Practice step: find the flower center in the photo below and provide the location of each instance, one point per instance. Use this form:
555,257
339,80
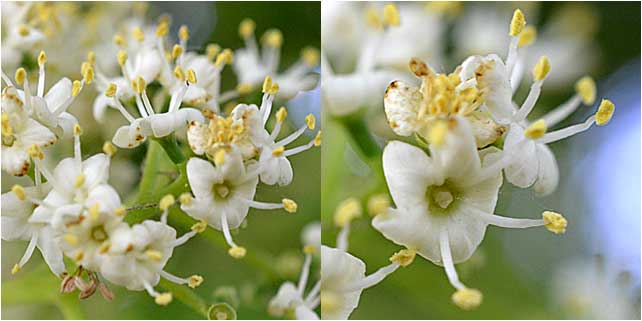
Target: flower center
98,233
8,140
440,198
222,190
329,301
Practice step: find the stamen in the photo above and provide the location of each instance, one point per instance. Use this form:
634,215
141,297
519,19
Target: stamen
179,74
305,271
585,87
91,58
191,76
390,15
310,56
154,255
75,88
246,28
88,75
177,50
212,51
527,37
315,142
536,130
94,212
541,69
19,191
278,151
42,59
311,121
120,211
374,278
378,204
163,298
27,255
183,33
138,34
342,237
237,252
119,40
554,222
109,149
404,257
447,260
289,205
467,299
604,112
21,75
317,139
166,202
566,132
281,114
186,199
162,29
347,211
273,38
517,23
227,235
122,58
195,281
123,111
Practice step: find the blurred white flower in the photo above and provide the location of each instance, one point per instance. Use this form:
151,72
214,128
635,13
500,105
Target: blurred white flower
290,297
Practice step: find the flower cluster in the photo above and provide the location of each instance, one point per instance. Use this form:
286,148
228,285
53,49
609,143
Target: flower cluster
471,133
72,210
445,200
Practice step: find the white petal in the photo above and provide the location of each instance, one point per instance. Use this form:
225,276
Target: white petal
147,64
100,107
15,160
96,169
339,270
304,313
401,102
548,173
408,171
201,176
275,169
106,196
58,93
50,251
35,134
65,174
42,112
524,164
66,122
457,158
165,124
197,136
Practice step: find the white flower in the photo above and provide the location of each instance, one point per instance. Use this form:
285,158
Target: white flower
138,255
223,194
290,297
590,288
18,36
17,208
311,235
252,64
533,163
19,133
445,202
343,275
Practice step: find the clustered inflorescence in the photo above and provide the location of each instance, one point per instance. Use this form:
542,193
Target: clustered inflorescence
472,133
71,210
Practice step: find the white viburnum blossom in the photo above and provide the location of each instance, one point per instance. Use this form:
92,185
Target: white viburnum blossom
137,257
20,134
533,163
17,208
343,276
252,64
18,36
224,192
290,297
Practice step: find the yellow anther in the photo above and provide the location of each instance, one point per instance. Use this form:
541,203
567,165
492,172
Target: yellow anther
309,249
162,28
274,89
517,23
79,256
219,157
244,89
604,112
77,129
16,268
163,298
167,201
76,86
404,257
378,204
111,90
289,205
80,180
191,76
372,18
310,56
554,222
527,36
200,226
278,151
419,67
183,33
246,28
179,74
585,87
536,130
390,15
138,34
105,247
23,30
94,212
311,121
119,40
21,74
267,83
177,50
122,57
467,299
237,252
212,51
542,68
317,139
273,38
281,114
88,75
19,191
71,239
35,152
347,210
120,211
186,199
154,255
91,57
42,58
195,281
225,57
437,133
109,149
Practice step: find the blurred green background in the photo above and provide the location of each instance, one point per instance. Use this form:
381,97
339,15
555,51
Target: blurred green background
598,192
272,238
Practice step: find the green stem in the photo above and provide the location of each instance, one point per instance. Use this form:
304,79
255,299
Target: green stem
170,145
358,130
